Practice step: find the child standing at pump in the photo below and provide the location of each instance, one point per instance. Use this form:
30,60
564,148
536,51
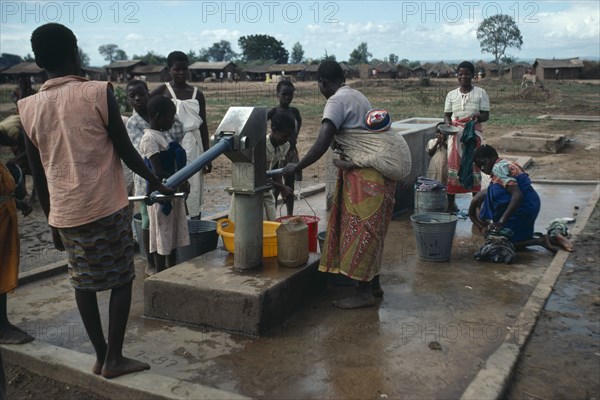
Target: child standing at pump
277,146
191,111
137,97
438,151
168,224
285,95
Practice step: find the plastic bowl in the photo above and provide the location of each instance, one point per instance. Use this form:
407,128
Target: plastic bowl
448,130
226,228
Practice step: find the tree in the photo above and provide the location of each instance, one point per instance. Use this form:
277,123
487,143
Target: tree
297,54
360,55
202,55
221,51
263,47
108,51
151,58
83,57
327,57
120,55
393,59
497,33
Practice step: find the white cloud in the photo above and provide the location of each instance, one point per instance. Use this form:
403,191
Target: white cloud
134,37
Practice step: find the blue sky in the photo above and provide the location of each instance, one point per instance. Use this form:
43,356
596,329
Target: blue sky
416,30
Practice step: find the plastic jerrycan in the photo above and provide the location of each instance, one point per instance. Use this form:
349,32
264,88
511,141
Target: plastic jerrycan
292,243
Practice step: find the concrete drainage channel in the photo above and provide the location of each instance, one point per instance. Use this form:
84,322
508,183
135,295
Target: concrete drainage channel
493,379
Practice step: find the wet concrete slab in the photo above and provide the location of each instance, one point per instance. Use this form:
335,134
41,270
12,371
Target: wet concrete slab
532,141
429,337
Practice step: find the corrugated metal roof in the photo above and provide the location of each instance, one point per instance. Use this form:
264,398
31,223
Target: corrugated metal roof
23,68
124,64
148,69
286,67
257,69
93,69
217,66
561,63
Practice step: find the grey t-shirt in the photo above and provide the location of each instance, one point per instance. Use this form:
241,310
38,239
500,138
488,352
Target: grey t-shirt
346,109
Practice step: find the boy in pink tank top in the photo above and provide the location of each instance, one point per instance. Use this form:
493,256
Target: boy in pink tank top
75,141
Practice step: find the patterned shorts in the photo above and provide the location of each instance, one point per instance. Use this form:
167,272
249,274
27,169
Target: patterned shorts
100,252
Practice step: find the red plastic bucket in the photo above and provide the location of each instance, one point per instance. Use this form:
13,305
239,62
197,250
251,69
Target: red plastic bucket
313,225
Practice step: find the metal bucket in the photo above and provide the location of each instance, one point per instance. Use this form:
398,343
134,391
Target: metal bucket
434,233
203,238
137,224
430,201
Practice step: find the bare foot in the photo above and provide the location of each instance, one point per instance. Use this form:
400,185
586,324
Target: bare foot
10,334
563,242
545,243
125,366
376,288
452,208
100,356
97,368
357,301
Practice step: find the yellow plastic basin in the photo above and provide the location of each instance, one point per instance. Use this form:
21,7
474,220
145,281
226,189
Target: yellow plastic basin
226,228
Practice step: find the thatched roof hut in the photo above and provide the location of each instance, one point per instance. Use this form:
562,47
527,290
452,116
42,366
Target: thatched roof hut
569,68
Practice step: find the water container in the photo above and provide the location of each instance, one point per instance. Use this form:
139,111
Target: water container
292,243
430,201
434,234
203,238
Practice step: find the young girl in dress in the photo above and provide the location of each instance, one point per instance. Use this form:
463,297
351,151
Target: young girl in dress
438,151
285,95
191,110
168,224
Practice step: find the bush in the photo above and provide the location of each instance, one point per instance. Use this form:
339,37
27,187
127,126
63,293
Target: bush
425,81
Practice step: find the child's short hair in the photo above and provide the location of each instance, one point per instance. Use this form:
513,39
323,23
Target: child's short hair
160,104
283,122
282,84
467,65
175,56
331,71
53,45
136,82
485,151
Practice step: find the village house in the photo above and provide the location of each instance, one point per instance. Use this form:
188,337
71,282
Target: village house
386,70
120,71
570,68
200,70
29,69
516,71
151,73
256,72
94,74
